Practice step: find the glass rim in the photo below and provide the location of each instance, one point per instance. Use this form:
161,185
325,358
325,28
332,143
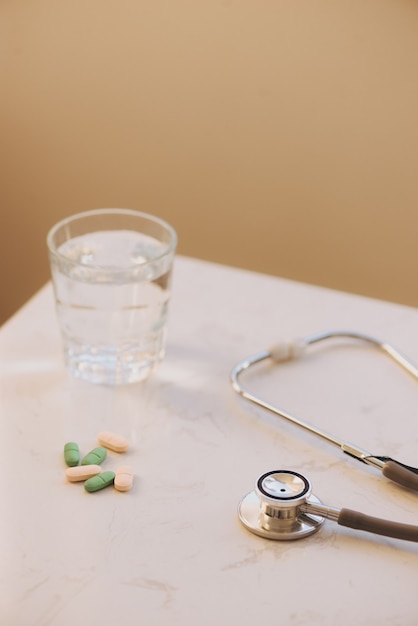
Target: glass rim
171,245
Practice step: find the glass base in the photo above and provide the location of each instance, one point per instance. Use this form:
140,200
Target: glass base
104,365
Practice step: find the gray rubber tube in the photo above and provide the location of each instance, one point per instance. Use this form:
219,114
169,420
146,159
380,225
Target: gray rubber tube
359,521
401,475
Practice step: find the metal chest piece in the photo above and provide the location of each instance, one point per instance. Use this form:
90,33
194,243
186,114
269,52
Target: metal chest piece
274,509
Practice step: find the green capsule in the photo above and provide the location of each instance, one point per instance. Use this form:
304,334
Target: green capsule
94,457
71,454
100,481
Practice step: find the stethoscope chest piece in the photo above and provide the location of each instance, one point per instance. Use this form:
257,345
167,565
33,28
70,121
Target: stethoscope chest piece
281,507
276,509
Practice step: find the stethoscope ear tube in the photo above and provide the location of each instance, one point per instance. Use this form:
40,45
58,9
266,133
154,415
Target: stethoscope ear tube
397,472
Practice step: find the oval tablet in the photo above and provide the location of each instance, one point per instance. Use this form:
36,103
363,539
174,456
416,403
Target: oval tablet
71,454
114,442
94,457
82,472
124,478
95,483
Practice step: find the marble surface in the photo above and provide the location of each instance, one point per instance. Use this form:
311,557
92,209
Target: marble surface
172,550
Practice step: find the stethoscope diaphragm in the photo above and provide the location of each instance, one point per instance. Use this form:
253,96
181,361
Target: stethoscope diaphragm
272,510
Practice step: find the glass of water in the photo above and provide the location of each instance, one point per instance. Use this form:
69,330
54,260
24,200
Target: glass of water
111,272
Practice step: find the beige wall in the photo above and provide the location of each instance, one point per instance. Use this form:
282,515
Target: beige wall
275,135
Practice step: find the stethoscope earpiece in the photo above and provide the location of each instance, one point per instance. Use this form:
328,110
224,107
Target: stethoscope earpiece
282,508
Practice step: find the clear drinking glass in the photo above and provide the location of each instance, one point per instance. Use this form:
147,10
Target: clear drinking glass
111,272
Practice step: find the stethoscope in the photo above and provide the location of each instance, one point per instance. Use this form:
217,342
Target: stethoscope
281,506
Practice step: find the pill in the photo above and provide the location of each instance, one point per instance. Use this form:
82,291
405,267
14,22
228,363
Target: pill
124,478
100,481
94,457
82,472
71,454
114,442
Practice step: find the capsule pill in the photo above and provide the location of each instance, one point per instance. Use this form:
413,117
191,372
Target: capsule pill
82,472
124,478
71,454
114,442
95,457
100,481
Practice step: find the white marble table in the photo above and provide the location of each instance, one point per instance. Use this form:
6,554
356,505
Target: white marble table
172,550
